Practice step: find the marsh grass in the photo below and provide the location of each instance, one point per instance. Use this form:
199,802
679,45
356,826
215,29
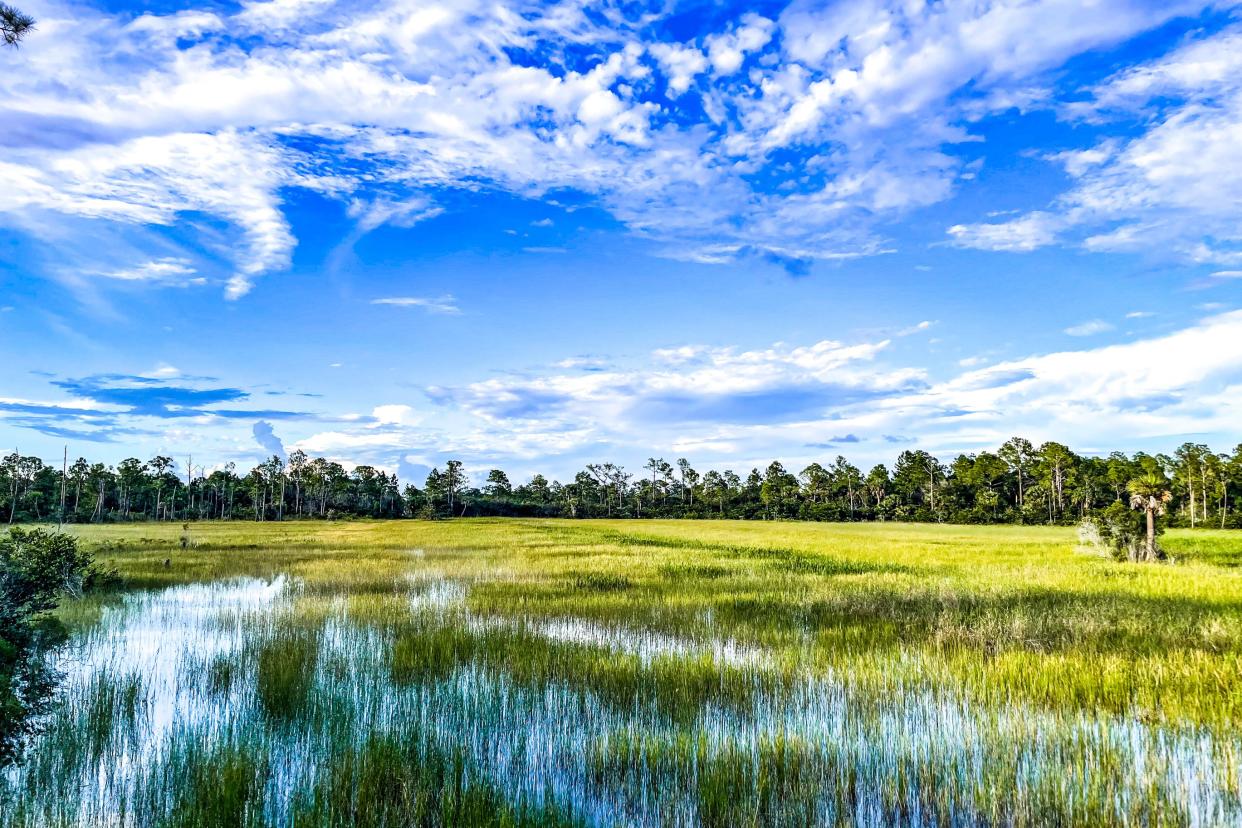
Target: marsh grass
286,661
390,781
601,582
541,672
220,785
112,709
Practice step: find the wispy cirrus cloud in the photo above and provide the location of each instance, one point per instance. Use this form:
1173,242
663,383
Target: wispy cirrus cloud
1089,328
169,270
1172,189
105,407
442,304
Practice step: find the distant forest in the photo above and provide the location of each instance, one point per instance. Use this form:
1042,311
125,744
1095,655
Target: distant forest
1018,483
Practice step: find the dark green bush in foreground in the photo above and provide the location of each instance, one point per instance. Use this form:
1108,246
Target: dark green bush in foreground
36,568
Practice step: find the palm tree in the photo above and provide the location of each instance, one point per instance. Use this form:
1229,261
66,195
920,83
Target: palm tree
1151,494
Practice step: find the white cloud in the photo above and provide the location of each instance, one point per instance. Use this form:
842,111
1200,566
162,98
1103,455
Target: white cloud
1201,68
681,64
1173,190
1020,235
1089,328
142,122
916,328
726,52
168,270
443,304
734,407
586,363
163,371
1147,388
373,214
395,414
151,181
693,393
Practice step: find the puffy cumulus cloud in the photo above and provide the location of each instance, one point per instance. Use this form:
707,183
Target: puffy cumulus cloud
738,408
681,65
889,60
1173,189
808,131
693,385
1163,387
719,406
1028,233
265,436
727,51
395,414
690,396
886,87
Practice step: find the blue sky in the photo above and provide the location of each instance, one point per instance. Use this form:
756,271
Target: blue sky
537,235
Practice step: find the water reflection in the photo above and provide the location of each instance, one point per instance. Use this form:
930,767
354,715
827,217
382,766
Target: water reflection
166,671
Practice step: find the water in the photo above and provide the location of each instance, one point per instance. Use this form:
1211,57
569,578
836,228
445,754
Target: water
165,675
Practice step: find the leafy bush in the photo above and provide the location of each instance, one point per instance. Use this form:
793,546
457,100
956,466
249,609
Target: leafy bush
36,568
1118,529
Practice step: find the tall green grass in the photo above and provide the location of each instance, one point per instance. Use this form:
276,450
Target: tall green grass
542,672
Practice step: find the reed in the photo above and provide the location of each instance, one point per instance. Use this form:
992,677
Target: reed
555,672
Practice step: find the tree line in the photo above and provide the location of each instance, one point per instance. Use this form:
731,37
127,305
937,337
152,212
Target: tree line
1017,483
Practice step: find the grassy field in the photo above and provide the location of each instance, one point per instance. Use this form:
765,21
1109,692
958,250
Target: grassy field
714,673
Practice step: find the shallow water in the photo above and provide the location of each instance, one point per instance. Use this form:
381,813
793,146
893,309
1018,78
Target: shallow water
165,671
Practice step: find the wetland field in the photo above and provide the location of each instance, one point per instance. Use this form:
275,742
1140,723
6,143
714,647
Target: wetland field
715,673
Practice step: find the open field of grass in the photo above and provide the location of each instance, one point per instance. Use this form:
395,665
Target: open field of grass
596,672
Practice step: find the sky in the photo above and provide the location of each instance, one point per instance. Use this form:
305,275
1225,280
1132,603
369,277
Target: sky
536,235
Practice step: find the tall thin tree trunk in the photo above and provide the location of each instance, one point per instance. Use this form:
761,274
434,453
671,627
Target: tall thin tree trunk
64,478
1151,534
1203,486
1190,483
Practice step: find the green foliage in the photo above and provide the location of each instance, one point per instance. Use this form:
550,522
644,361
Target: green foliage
36,568
1119,529
14,25
1018,483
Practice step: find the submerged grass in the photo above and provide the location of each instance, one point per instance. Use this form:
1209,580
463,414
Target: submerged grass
390,782
285,671
523,672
